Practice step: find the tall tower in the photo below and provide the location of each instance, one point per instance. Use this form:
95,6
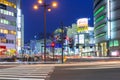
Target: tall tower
107,29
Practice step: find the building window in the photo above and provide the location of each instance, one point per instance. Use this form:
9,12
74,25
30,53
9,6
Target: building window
4,21
5,31
5,12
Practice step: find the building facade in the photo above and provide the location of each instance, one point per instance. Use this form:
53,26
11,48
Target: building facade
11,27
83,42
82,36
107,27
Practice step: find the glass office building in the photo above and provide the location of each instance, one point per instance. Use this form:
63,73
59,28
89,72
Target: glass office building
107,27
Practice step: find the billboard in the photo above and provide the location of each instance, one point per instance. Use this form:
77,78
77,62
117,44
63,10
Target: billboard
82,24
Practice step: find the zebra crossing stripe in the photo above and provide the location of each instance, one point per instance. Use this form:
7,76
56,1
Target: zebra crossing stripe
3,78
37,74
30,79
17,76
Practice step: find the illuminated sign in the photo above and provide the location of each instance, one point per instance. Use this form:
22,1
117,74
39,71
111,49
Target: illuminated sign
82,24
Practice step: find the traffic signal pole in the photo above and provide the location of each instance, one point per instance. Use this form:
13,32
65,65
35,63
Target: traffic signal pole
53,47
53,53
62,43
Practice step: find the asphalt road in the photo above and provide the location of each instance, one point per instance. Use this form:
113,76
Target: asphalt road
86,72
6,66
76,71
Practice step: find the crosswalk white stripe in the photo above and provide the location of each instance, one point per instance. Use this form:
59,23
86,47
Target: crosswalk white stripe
34,76
2,78
23,74
30,79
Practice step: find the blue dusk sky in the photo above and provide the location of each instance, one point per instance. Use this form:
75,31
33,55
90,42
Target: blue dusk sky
68,11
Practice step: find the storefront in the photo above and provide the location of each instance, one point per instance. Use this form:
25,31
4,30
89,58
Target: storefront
101,49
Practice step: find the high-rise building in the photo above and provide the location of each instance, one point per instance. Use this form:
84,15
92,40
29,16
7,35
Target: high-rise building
11,27
107,27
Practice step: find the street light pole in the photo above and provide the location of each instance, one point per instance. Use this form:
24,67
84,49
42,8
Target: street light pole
45,7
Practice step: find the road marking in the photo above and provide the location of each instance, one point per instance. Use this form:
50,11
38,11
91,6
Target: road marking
2,78
23,76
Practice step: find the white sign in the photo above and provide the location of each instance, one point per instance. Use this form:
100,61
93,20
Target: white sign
83,22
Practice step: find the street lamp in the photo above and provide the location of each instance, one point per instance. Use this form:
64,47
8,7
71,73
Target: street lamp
42,3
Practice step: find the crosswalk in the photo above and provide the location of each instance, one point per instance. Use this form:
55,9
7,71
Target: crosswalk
26,72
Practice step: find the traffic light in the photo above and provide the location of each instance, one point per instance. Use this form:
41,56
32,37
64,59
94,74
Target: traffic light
77,45
52,44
